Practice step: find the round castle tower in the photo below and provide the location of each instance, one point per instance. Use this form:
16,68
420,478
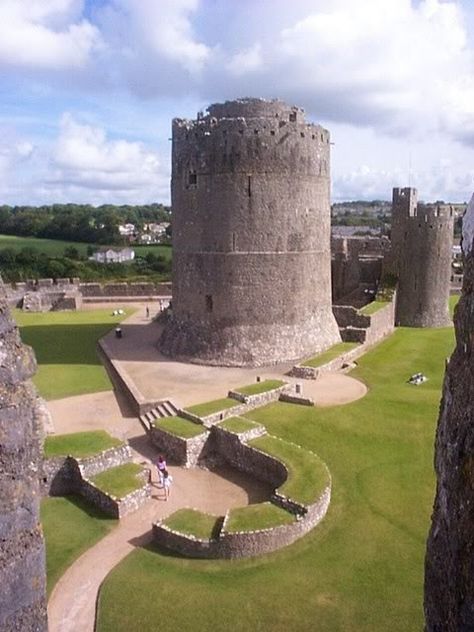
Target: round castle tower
422,239
251,236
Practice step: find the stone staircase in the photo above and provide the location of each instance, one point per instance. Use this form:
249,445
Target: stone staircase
163,409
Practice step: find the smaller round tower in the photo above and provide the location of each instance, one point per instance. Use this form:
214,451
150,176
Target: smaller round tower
422,239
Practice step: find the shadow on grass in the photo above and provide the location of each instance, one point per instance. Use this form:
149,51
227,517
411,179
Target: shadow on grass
87,508
65,344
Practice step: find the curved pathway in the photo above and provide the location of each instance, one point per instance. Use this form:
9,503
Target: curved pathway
72,604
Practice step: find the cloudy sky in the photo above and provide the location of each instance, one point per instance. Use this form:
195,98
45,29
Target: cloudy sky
88,89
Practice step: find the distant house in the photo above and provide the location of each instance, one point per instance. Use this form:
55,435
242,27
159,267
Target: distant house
157,228
126,230
113,255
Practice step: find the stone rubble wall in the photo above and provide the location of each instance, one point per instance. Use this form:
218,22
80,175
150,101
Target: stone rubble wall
245,543
114,507
297,399
22,554
382,324
185,452
260,399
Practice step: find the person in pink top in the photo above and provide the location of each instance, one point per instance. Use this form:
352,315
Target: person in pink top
161,467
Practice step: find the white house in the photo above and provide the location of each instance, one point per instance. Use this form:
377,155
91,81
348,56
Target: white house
126,230
113,255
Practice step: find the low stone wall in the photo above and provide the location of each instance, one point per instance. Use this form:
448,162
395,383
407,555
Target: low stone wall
349,316
245,543
382,323
296,399
185,452
59,476
210,420
260,399
62,475
117,290
114,507
122,380
112,457
248,459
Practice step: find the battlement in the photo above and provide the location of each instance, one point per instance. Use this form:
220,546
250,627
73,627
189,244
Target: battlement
430,212
250,108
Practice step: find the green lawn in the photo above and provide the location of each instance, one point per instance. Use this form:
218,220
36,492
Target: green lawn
372,307
193,522
70,527
261,516
238,424
119,481
307,475
55,247
259,387
330,354
180,427
65,347
80,444
361,569
208,408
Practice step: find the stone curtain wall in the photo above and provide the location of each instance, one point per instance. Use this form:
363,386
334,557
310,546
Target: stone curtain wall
245,543
449,564
22,557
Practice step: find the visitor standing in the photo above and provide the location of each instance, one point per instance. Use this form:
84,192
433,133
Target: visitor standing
147,309
167,482
161,467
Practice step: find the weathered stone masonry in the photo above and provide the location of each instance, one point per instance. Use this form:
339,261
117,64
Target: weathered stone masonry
22,560
251,236
449,567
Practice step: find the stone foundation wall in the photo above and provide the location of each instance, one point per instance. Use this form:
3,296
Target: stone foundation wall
185,452
113,507
260,399
135,290
245,543
62,475
296,399
248,459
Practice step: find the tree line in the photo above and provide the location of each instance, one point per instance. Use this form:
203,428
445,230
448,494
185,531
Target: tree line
78,222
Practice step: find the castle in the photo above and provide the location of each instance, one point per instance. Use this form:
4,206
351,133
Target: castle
251,236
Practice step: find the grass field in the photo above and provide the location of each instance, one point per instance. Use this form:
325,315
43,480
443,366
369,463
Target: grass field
238,424
65,348
192,522
70,527
79,444
55,247
330,354
180,427
119,481
372,307
259,387
261,516
208,408
362,567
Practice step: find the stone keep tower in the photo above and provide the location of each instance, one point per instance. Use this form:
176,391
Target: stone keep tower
422,239
22,562
251,236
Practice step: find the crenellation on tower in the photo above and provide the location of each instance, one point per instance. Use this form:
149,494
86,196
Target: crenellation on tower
420,259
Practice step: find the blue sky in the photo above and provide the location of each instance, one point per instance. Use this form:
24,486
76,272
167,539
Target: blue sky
88,89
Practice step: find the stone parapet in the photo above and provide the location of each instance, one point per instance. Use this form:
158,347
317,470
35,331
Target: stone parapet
185,452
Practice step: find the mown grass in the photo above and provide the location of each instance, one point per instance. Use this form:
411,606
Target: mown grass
192,522
362,567
180,427
307,475
55,247
70,527
238,424
372,307
259,387
65,345
79,444
330,354
254,517
208,408
119,481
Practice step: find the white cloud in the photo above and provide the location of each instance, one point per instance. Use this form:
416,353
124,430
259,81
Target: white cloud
45,34
86,163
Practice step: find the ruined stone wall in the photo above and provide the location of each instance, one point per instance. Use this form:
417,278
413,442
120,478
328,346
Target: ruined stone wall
449,566
22,559
251,236
245,543
180,451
